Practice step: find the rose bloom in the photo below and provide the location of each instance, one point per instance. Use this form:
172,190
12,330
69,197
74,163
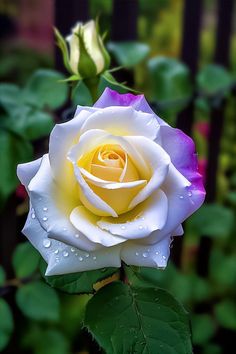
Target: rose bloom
115,186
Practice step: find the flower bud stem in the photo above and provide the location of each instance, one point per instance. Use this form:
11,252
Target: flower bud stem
92,85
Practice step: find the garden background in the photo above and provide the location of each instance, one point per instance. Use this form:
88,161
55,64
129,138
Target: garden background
182,56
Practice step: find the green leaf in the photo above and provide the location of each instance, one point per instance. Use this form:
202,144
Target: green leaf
54,341
170,81
212,220
222,269
2,276
6,324
14,150
129,320
31,123
77,283
44,89
225,313
38,301
214,80
203,328
81,95
128,53
25,260
10,96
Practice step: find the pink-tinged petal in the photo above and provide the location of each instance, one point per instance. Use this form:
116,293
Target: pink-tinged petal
141,255
112,98
181,149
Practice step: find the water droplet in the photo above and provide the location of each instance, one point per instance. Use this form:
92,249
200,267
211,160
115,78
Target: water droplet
145,254
190,194
123,227
164,257
76,254
94,258
181,197
33,215
65,254
72,249
80,259
157,252
136,253
46,243
56,252
76,235
142,218
45,209
45,218
57,260
87,255
64,228
140,227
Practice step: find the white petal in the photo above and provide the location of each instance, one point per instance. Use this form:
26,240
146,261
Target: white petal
63,259
26,171
147,256
86,222
62,138
123,121
110,184
90,36
179,231
43,194
179,204
140,222
158,161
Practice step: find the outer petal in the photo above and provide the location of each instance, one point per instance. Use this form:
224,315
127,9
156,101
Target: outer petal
157,159
147,217
123,121
113,98
43,195
181,149
155,255
86,222
181,204
62,258
26,171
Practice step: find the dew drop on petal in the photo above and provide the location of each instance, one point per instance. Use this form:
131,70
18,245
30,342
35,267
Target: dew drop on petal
57,260
33,215
64,228
136,253
157,253
76,235
190,194
181,197
72,249
65,254
46,243
45,218
123,227
45,209
87,255
145,254
164,257
140,227
80,258
94,258
56,252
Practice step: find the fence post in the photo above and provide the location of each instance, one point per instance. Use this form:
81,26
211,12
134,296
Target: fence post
189,55
124,28
222,54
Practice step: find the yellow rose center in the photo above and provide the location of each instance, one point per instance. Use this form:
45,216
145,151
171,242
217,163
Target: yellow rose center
111,163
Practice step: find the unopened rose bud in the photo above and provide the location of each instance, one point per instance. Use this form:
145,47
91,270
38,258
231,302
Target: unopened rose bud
87,56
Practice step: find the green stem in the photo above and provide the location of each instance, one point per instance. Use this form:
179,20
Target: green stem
92,85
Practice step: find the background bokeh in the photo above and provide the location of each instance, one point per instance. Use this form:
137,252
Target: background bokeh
184,61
